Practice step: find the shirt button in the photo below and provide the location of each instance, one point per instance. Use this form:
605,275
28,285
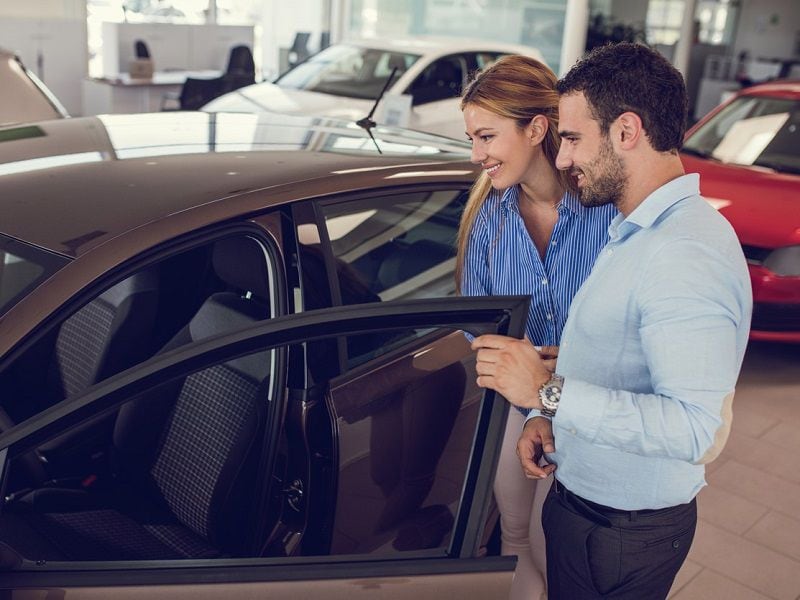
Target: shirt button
573,432
610,251
544,281
554,242
549,317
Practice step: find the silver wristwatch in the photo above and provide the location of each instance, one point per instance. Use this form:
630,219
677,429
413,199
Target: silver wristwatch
550,395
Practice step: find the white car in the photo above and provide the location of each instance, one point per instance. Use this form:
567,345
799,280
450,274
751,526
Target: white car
344,81
25,97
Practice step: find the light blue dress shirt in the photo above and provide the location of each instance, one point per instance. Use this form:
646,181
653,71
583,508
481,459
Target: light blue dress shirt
651,352
501,258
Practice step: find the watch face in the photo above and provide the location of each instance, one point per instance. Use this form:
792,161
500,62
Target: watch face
550,395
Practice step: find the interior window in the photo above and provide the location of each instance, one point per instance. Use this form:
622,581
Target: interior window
152,311
394,248
442,79
405,436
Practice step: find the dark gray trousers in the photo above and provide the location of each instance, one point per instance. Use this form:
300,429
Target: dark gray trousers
594,551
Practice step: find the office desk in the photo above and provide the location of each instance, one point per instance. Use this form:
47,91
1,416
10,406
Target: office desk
123,94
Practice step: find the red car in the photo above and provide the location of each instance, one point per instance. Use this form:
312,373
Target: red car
747,152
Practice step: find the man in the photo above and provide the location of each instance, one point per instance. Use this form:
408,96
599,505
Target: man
641,397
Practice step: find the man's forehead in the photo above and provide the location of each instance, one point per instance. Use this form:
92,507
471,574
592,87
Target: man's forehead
573,105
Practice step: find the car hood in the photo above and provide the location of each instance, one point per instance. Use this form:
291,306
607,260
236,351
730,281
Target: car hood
271,97
762,205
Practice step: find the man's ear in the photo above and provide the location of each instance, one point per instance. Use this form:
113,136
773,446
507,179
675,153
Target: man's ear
537,129
627,130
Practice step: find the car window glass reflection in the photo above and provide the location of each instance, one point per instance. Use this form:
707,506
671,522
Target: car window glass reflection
394,248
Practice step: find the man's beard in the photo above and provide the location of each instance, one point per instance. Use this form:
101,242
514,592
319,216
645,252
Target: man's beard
608,179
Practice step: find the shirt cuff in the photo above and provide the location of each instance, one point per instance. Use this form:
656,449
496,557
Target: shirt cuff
582,407
535,412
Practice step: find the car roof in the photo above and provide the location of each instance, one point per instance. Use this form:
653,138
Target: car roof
783,87
439,46
71,185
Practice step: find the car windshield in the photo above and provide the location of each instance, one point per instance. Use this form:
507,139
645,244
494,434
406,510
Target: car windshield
22,268
752,130
345,70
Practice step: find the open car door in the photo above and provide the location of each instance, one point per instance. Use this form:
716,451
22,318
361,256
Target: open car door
220,479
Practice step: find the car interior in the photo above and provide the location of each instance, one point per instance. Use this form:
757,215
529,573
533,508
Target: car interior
167,475
181,460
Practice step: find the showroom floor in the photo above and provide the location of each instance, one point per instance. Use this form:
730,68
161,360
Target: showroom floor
747,544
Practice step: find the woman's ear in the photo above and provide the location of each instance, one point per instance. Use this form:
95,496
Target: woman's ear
537,129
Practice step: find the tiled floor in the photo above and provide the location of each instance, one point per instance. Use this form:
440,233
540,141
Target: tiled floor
747,544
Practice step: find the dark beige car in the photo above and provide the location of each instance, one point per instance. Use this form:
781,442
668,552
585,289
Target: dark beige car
232,363
24,97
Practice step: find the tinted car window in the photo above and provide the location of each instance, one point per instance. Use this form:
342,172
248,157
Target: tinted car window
392,248
752,130
405,434
351,71
442,79
22,268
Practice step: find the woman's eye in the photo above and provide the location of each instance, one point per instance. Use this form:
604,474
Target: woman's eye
486,138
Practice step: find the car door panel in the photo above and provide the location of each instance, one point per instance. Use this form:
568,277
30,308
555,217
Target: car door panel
473,579
82,580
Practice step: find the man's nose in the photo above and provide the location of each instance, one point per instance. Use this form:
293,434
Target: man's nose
563,159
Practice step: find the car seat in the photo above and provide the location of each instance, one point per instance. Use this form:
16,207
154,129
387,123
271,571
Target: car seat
185,453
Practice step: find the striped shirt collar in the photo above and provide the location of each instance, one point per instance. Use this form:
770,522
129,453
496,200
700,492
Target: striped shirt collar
510,198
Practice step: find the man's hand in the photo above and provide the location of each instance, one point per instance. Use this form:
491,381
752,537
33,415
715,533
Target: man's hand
536,438
549,355
512,368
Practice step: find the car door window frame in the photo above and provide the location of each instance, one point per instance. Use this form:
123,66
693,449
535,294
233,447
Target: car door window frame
505,315
147,259
314,208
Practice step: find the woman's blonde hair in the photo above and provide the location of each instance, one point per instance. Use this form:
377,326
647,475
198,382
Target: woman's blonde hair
516,87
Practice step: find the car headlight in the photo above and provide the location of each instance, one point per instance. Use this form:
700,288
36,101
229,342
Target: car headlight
784,261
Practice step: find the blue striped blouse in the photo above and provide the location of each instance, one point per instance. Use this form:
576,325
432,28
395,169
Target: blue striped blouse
501,258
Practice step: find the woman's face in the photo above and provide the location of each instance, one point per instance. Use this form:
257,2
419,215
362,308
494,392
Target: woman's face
504,150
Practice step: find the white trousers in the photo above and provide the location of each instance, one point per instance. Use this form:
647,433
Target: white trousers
520,502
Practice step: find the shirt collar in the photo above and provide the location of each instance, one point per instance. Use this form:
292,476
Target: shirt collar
655,205
569,201
664,197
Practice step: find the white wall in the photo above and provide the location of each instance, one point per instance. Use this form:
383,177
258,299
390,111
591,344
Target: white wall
760,35
44,9
50,38
279,23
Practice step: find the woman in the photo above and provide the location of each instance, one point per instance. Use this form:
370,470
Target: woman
523,231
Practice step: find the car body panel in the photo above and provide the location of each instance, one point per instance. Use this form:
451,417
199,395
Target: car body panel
141,202
476,579
25,98
151,199
500,315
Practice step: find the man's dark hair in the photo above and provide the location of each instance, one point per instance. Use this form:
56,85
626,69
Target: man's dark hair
626,77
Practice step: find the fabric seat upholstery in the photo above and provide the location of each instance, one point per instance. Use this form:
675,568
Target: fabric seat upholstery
186,453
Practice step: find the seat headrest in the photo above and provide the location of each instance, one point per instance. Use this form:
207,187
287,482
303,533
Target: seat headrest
241,262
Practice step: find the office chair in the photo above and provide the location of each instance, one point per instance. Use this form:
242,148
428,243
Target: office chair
241,71
140,49
299,50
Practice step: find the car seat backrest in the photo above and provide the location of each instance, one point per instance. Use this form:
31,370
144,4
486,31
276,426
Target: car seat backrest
106,336
196,441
